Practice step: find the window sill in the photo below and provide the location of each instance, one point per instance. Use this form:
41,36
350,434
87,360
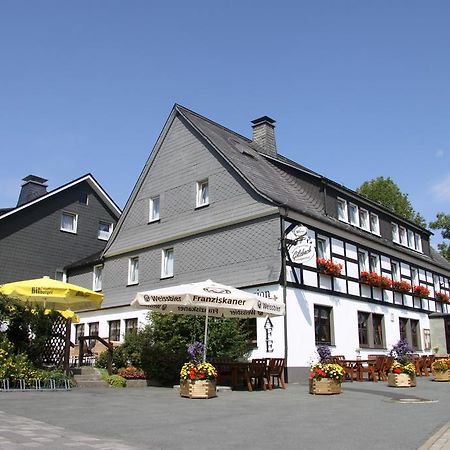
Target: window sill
103,238
202,206
133,284
154,220
164,277
68,231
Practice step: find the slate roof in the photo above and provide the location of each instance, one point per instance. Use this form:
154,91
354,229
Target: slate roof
279,180
91,260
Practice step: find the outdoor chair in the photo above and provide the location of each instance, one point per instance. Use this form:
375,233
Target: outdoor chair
275,369
224,370
379,368
256,373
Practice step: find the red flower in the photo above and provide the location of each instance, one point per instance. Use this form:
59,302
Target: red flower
397,370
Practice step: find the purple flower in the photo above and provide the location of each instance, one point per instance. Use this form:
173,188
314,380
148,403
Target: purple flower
324,353
195,352
402,352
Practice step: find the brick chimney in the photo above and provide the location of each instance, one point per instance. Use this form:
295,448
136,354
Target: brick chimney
32,188
264,135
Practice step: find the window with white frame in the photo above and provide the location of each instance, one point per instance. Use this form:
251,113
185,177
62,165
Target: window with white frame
395,271
374,224
363,259
167,263
342,210
418,242
414,276
353,214
97,278
403,236
133,270
364,219
395,233
202,193
114,330
69,222
374,263
60,275
322,247
153,214
411,243
104,230
436,283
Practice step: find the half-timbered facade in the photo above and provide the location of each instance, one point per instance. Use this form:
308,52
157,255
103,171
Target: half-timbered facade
211,203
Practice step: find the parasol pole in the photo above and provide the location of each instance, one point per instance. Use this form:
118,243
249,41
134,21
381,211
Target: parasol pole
205,340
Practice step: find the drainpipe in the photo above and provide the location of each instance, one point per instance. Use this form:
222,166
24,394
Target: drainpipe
283,272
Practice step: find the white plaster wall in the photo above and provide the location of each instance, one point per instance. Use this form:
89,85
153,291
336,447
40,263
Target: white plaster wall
300,320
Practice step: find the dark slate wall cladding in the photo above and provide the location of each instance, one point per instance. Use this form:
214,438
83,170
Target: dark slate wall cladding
182,161
32,244
243,255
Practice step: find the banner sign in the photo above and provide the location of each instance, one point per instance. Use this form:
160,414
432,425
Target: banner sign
299,245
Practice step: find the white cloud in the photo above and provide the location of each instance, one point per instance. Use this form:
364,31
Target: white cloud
439,153
441,188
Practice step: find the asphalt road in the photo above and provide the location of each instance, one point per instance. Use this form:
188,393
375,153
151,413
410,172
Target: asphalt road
365,416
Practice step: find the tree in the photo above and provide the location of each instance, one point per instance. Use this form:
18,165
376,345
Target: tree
442,222
387,193
164,341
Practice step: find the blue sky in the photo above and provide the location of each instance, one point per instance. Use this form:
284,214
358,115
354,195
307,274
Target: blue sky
359,89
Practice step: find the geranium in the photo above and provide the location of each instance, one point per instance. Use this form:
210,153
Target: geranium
333,371
202,371
373,279
328,267
407,368
401,286
195,370
442,296
421,291
441,365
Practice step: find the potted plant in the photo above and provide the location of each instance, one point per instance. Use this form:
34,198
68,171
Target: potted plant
328,267
442,296
441,370
421,291
375,280
401,286
325,377
197,379
402,372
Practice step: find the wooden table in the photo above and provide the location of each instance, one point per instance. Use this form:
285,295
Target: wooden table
359,367
234,369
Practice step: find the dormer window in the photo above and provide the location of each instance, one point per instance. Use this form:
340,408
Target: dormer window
374,224
202,193
353,214
406,237
395,233
403,237
418,242
364,219
342,210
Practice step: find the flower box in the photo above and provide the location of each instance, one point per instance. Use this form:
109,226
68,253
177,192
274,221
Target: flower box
401,286
198,388
401,380
375,280
328,267
421,291
441,376
324,386
442,296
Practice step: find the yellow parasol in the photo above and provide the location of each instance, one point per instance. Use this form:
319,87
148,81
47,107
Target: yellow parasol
53,294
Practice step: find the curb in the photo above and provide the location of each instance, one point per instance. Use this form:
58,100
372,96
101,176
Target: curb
439,441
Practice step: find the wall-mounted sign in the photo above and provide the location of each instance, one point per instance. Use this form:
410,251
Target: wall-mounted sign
269,341
299,245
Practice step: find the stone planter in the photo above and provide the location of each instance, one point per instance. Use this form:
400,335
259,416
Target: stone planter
137,383
401,380
325,386
198,389
441,376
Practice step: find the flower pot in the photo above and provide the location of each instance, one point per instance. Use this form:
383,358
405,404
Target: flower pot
325,386
441,376
401,380
198,389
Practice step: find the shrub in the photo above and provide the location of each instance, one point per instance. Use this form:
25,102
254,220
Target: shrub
116,381
119,359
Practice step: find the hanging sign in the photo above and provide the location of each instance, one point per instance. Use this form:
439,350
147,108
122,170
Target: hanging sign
299,245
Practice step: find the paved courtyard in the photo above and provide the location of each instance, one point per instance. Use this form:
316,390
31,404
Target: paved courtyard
366,415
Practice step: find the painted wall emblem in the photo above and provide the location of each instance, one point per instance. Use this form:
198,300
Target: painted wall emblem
299,245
